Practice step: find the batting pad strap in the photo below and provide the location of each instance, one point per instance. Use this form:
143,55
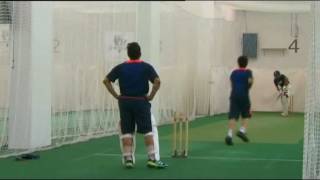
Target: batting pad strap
150,149
149,134
126,136
126,154
151,152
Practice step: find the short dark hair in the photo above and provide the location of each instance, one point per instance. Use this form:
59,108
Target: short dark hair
133,50
276,73
242,61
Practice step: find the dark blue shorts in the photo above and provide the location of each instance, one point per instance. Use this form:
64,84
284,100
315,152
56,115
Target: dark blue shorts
135,112
239,106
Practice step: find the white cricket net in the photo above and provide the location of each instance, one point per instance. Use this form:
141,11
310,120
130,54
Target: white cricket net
4,83
89,39
311,155
5,71
196,56
184,62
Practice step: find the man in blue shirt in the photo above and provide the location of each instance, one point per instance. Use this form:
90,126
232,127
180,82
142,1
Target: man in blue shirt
134,106
241,82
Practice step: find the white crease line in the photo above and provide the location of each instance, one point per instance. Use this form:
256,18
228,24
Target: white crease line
84,157
210,158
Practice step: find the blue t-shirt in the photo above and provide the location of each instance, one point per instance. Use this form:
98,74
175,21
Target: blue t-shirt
240,84
134,77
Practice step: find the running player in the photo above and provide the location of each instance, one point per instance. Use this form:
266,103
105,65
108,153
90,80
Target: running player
241,82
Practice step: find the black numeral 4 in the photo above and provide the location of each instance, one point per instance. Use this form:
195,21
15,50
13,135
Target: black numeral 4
295,44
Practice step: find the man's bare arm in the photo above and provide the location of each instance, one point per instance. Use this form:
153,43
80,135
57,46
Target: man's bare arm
155,88
110,88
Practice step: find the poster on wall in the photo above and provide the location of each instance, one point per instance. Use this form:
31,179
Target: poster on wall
116,45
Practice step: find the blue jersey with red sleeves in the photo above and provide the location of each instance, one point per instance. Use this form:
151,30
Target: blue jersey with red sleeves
240,83
134,77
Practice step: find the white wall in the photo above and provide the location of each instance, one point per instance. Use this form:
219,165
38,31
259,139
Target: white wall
277,27
274,31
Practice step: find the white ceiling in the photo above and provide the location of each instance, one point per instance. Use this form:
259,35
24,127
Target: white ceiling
96,6
203,8
269,6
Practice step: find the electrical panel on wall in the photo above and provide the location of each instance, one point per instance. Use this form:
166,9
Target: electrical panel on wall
249,44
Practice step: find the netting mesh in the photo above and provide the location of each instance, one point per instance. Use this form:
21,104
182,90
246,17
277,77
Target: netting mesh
4,82
5,70
178,67
89,39
194,66
311,156
81,107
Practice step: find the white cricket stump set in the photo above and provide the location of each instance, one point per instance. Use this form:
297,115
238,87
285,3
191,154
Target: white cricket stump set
291,103
155,140
181,137
287,104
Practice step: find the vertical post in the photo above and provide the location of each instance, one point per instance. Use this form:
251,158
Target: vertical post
180,120
187,137
148,36
30,98
174,137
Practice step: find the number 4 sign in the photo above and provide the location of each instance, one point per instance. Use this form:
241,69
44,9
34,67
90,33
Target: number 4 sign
295,44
